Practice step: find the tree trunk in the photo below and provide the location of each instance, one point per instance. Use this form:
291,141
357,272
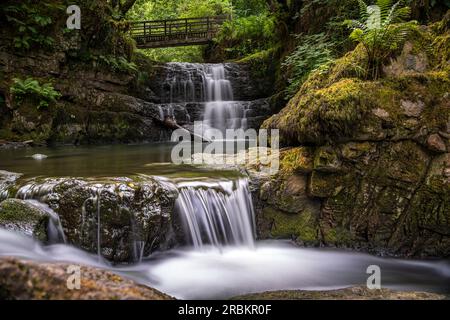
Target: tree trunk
125,7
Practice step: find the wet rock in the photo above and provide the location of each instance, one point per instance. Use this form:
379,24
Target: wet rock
7,182
20,216
121,218
27,280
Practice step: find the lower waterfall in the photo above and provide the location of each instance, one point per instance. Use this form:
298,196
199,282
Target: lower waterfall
220,214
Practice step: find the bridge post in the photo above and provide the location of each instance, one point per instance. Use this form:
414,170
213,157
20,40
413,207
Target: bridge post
145,32
165,29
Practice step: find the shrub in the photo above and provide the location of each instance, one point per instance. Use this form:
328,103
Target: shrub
246,35
31,87
119,64
381,30
32,23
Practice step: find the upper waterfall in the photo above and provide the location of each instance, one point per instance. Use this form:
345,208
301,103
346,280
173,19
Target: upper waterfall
220,96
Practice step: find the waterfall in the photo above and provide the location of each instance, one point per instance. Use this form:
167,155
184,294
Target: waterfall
204,86
217,213
221,112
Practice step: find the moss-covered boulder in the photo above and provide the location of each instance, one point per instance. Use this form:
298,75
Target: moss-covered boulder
20,216
377,162
120,218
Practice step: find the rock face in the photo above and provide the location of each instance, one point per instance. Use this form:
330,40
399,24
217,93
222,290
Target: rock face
24,280
108,94
367,165
122,219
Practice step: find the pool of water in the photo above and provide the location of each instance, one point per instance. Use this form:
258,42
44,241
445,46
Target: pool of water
99,161
213,273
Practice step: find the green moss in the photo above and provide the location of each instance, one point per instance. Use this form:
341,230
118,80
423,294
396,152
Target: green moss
296,160
18,215
325,185
302,226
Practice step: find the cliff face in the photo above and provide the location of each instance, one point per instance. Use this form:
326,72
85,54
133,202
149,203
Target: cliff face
367,163
90,68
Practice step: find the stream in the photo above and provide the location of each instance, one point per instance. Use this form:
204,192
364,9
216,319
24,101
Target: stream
220,256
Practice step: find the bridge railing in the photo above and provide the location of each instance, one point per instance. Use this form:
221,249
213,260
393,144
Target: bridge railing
176,29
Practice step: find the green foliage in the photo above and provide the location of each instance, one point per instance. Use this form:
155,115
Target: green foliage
192,54
251,30
31,87
118,64
31,22
246,35
314,52
381,30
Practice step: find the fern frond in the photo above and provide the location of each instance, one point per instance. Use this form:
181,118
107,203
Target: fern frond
385,7
363,10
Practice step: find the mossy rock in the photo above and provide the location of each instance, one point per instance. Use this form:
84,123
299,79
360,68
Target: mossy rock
325,185
302,227
297,160
20,216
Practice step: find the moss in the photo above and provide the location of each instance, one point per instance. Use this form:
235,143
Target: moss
17,215
296,160
325,185
302,226
354,150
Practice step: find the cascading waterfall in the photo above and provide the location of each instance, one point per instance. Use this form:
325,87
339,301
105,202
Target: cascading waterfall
221,112
217,214
206,85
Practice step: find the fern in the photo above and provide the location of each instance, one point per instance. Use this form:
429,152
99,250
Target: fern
381,29
31,87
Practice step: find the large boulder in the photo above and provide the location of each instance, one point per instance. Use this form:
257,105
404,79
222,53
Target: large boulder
120,218
26,280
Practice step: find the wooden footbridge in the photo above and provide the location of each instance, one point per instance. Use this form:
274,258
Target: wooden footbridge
175,32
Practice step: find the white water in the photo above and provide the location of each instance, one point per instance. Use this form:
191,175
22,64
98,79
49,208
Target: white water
218,214
206,83
221,112
214,274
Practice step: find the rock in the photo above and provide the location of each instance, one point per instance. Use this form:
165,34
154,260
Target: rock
355,293
39,156
408,62
327,160
20,216
381,113
27,280
412,109
133,216
435,143
7,182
